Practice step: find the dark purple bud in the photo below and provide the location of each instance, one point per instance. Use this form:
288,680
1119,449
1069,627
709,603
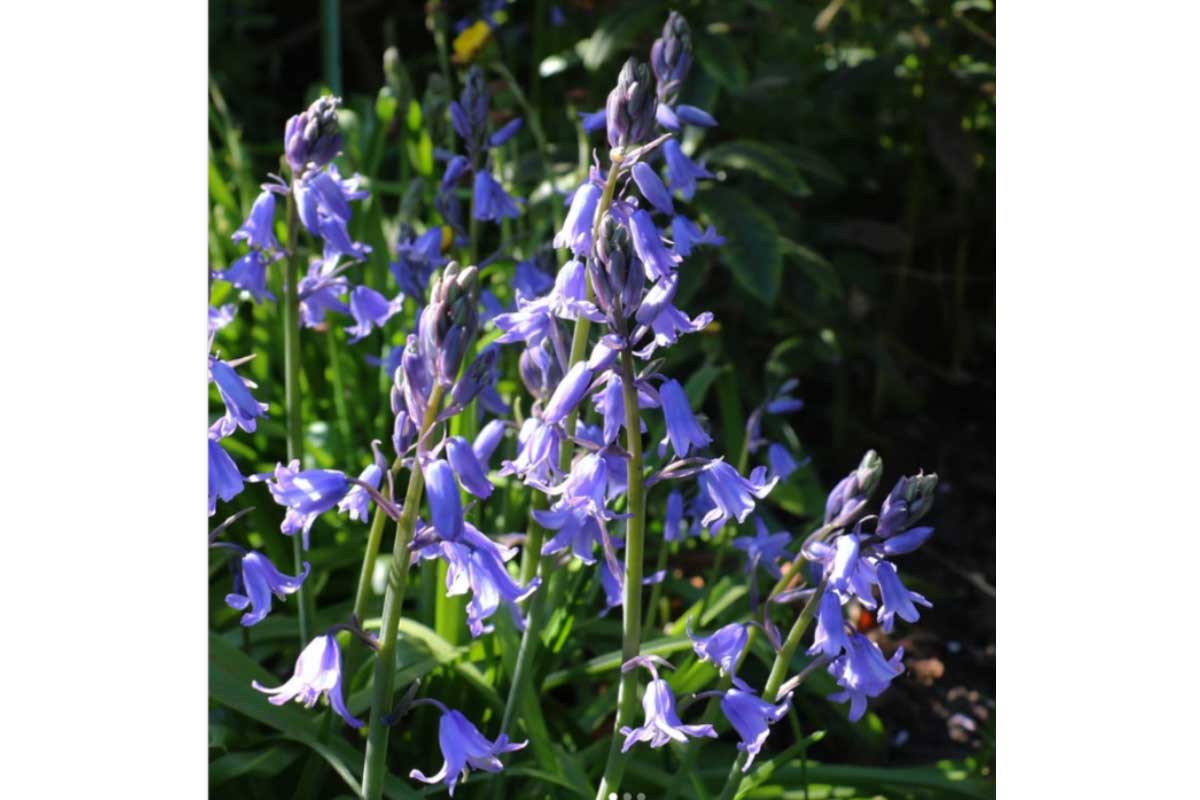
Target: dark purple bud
540,371
652,187
450,356
504,134
909,501
311,139
850,495
481,373
671,56
629,112
695,116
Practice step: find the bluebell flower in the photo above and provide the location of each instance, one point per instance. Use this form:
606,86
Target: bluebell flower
723,649
578,529
502,136
311,138
906,542
593,121
224,479
488,439
463,746
403,433
241,409
662,723
357,502
849,572
731,494
320,292
658,261
830,635
610,403
338,242
416,260
897,599
652,188
576,232
538,445
568,299
682,172
466,465
764,549
531,281
568,394
259,228
667,326
318,672
491,201
306,494
370,309
863,672
780,461
752,717
321,195
687,235
691,115
259,579
673,527
683,431
249,273
455,169
849,496
219,317
910,500
445,505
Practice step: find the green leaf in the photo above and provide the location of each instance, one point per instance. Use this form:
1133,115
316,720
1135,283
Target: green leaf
751,248
763,160
823,274
610,661
218,190
614,33
698,384
267,762
719,57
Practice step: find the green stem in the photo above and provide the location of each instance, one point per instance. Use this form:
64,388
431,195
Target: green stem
374,768
374,538
779,670
339,391
331,41
656,591
291,366
632,610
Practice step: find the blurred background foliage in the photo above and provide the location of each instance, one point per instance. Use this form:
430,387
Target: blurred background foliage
856,165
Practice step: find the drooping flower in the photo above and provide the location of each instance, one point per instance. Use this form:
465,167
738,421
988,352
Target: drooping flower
905,542
780,461
863,672
848,570
259,579
662,723
682,172
219,317
723,649
673,527
318,672
647,243
569,393
357,502
576,232
752,717
688,235
897,599
370,310
830,636
652,188
668,324
445,505
259,228
731,494
578,529
249,273
463,746
764,549
320,292
488,439
306,494
491,201
682,429
241,409
224,479
467,467
537,454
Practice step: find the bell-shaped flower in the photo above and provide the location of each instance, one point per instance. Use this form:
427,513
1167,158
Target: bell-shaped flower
578,529
830,635
723,649
682,172
863,672
780,461
318,672
258,581
568,394
370,310
241,409
455,169
668,324
488,440
507,132
538,445
751,717
219,317
652,188
464,747
688,235
224,479
682,429
731,494
249,273
897,599
320,292
647,243
259,228
467,467
445,504
576,232
673,527
357,502
662,723
764,549
849,572
306,494
491,201
691,115
905,542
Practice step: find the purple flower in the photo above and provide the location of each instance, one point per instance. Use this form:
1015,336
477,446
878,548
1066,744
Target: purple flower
723,649
320,292
318,671
219,317
445,505
687,235
491,201
593,121
652,188
780,460
488,439
259,228
851,493
578,529
306,494
682,172
464,746
662,724
370,309
467,467
455,170
241,409
731,494
691,115
764,549
338,242
673,527
249,273
909,501
905,542
576,231
530,280
311,138
537,454
659,261
752,718
258,580
668,324
357,502
416,259
502,136
568,394
682,429
830,636
897,599
224,479
848,572
863,672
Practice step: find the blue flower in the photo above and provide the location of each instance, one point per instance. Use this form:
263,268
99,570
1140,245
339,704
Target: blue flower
501,137
682,172
687,235
467,467
249,273
723,649
897,599
491,201
576,232
673,527
652,188
357,502
318,672
463,746
306,494
682,429
662,723
537,451
578,529
241,409
370,309
224,479
648,245
668,324
764,549
445,505
752,717
830,635
320,292
863,672
780,460
731,494
259,228
569,393
259,579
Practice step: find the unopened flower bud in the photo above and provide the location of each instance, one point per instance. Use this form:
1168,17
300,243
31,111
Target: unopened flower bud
849,496
629,112
311,139
910,500
671,56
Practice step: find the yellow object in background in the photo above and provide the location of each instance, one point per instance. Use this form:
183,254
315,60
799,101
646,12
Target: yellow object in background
447,237
468,43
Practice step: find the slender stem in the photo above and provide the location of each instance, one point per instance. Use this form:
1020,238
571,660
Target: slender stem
632,609
291,366
656,591
393,601
374,538
779,669
339,390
